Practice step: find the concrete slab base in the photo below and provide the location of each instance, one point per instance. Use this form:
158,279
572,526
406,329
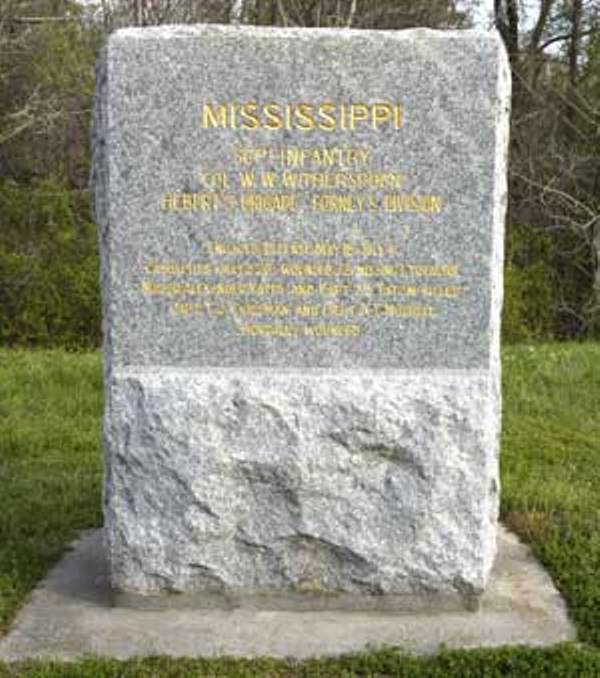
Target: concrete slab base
72,613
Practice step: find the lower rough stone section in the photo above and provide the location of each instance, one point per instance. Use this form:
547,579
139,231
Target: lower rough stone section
257,482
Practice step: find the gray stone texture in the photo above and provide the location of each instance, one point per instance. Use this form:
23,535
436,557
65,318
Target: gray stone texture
71,615
350,482
357,465
453,89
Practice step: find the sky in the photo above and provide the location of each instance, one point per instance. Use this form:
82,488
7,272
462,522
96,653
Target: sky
483,11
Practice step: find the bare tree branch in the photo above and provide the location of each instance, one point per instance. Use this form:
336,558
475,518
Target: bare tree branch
283,14
563,36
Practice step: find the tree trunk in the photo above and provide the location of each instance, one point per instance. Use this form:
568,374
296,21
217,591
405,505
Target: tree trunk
575,42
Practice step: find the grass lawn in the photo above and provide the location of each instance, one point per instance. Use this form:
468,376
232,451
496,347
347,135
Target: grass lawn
50,476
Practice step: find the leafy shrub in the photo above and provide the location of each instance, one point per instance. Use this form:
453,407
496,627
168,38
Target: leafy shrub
528,287
49,287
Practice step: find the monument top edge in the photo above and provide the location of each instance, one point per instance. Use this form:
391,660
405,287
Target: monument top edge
190,31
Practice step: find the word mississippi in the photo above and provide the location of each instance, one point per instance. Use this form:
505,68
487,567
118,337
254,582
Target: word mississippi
328,117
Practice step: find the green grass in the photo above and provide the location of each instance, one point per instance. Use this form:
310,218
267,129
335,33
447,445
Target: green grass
563,661
50,463
551,467
50,475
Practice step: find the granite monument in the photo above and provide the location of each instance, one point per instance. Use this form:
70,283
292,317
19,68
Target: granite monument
302,247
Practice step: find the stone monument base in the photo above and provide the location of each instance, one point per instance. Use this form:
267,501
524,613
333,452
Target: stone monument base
252,482
71,614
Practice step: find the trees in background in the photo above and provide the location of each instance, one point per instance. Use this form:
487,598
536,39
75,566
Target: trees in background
47,82
389,14
554,194
48,260
323,13
48,245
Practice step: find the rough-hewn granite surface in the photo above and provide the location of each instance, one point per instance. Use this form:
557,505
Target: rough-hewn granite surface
352,482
